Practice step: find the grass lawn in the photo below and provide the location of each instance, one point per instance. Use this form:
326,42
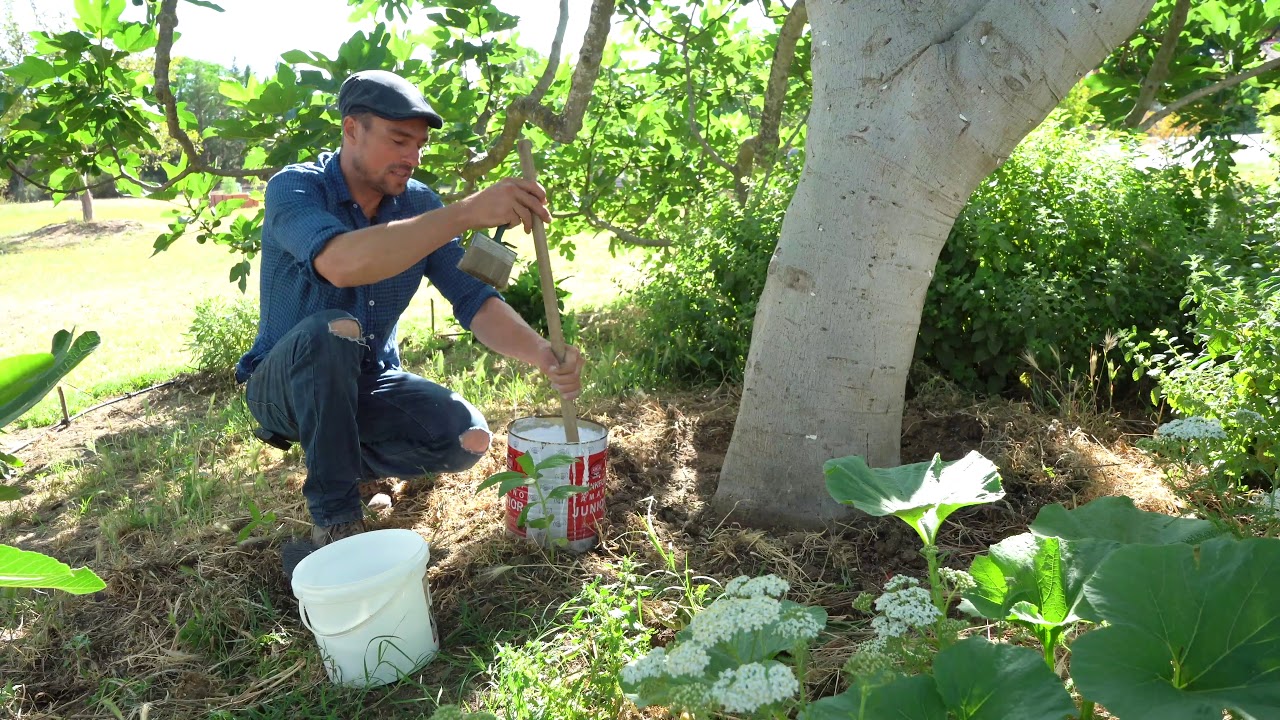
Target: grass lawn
143,305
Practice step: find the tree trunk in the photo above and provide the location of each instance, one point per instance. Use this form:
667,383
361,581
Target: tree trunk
913,105
86,200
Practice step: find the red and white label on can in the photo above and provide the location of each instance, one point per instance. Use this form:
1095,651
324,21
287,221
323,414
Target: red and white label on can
574,518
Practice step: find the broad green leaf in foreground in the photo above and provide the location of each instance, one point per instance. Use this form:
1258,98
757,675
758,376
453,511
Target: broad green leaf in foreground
1037,582
981,680
1192,631
908,698
20,568
25,382
920,494
9,492
1116,519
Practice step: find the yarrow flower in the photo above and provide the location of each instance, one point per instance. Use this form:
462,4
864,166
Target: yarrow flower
728,616
898,582
798,624
690,658
748,587
909,606
959,580
746,688
1192,428
649,666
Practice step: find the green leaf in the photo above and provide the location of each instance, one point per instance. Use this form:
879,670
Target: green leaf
9,493
556,461
909,698
981,680
523,517
920,494
563,491
20,372
20,568
1035,581
1116,519
525,462
1191,631
499,479
66,356
206,4
541,523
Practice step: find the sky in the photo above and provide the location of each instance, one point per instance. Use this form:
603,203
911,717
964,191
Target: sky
253,33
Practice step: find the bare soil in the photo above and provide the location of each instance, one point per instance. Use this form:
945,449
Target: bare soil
67,234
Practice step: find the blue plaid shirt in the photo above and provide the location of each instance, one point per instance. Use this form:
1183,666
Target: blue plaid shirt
306,206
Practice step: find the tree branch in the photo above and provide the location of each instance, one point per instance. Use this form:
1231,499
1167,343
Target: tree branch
167,21
691,113
1160,66
564,126
764,143
27,179
1223,84
624,235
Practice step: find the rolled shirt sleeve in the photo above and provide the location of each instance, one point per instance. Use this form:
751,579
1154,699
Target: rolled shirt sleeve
465,293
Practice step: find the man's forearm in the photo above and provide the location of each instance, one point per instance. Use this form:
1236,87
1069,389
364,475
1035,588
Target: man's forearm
502,330
368,255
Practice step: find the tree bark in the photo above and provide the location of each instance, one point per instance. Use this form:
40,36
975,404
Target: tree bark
913,105
1160,66
86,200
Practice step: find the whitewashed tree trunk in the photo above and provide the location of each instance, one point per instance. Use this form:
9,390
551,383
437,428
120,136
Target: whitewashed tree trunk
86,200
914,103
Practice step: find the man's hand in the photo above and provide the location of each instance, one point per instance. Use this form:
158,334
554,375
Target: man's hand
565,377
512,201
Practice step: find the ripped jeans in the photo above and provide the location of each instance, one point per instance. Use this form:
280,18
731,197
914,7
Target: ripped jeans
356,426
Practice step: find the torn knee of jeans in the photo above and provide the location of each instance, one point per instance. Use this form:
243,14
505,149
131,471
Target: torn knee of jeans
476,441
347,328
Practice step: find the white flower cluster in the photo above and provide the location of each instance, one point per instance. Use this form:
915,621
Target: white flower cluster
1192,428
641,669
748,587
746,688
898,582
689,658
906,605
959,580
728,616
798,624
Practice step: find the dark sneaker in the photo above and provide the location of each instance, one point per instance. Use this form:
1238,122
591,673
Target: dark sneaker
321,536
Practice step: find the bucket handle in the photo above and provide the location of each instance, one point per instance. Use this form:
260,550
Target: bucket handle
302,611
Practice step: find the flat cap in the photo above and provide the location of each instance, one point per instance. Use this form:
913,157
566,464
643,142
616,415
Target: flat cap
386,95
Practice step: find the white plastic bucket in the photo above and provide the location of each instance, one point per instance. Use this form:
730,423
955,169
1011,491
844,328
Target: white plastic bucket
366,601
573,519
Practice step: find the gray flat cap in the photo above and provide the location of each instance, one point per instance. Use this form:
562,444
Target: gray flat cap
386,95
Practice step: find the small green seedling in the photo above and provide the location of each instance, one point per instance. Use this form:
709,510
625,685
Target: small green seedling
257,519
530,475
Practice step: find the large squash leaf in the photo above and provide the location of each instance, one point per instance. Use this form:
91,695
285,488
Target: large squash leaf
920,494
982,680
1037,582
908,698
1192,631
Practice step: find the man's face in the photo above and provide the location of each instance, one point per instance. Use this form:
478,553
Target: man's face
384,152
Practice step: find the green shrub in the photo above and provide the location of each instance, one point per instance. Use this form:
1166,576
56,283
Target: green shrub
700,297
1230,371
1067,241
524,295
221,332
